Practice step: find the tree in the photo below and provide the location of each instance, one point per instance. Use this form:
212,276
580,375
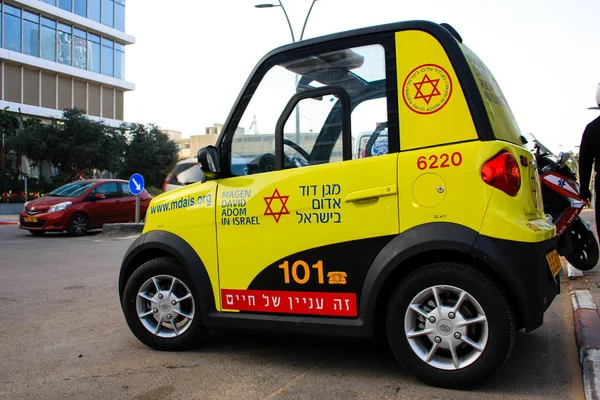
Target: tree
72,145
150,153
573,162
9,125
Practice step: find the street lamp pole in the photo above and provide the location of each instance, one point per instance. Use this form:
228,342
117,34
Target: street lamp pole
293,41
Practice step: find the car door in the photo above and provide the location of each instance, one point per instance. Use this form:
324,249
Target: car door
300,218
126,203
106,209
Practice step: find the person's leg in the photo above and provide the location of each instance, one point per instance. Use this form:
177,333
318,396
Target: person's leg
597,206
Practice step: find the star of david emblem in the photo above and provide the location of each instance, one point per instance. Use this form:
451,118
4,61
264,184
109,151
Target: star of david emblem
434,90
282,209
561,183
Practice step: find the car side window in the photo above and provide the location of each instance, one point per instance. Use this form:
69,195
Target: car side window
369,127
109,190
312,133
253,145
125,192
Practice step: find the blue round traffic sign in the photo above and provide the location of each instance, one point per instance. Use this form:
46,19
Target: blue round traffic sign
136,184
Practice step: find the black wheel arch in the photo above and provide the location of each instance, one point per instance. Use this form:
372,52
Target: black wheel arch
155,244
430,243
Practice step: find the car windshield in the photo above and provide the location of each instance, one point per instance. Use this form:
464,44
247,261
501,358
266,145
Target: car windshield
71,189
533,144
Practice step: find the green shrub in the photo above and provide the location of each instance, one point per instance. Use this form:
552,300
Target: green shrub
153,190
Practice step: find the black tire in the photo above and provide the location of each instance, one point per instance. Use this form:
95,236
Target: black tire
191,337
585,252
37,233
78,225
500,325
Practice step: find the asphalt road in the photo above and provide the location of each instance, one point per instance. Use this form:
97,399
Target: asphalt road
62,335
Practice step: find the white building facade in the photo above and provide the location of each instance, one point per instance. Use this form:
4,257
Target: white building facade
57,54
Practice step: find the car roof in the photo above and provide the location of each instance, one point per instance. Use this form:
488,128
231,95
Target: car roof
100,180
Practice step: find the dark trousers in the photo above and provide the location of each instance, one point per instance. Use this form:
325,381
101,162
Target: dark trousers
597,204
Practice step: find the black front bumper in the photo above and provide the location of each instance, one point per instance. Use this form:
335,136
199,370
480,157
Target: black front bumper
525,270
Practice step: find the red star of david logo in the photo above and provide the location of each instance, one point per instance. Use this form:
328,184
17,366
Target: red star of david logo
434,90
282,210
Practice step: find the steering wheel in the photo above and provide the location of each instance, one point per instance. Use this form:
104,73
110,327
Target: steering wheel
300,150
374,137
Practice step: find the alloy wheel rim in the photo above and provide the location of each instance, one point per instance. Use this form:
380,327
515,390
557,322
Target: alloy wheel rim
165,306
79,224
446,327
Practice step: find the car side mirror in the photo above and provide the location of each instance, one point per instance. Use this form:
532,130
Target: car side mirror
99,196
208,158
563,157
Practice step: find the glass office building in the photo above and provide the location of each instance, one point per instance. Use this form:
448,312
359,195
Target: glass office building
57,54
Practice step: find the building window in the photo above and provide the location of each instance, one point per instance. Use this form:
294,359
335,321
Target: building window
80,7
120,15
94,53
65,5
119,61
31,34
48,39
80,49
65,33
108,12
94,10
51,2
108,58
0,24
12,28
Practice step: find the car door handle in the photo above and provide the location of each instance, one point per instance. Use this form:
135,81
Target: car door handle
371,194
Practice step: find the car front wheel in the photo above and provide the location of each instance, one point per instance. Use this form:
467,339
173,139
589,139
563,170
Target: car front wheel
161,307
450,325
78,225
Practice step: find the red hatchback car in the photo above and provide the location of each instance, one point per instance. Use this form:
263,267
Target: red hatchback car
82,205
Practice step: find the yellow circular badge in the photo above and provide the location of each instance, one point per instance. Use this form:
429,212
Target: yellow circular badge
427,89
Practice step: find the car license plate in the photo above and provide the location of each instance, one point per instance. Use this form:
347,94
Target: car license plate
554,262
30,219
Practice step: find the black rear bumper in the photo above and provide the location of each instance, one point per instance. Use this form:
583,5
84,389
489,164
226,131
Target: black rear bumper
526,271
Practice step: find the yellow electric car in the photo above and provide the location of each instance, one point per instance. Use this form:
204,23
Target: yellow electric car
434,237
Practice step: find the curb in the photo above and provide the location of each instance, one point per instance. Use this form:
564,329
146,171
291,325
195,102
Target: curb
587,332
8,223
122,228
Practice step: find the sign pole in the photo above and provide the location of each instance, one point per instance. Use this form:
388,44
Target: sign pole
136,187
137,208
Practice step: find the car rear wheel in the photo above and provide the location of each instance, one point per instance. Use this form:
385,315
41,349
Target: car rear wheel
450,325
161,308
78,225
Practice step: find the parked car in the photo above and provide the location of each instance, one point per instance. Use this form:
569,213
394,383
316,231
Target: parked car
185,172
81,206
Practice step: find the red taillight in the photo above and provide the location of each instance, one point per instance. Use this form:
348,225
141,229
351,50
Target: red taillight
502,172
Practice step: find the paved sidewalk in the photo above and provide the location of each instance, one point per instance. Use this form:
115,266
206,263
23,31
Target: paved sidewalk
585,294
9,219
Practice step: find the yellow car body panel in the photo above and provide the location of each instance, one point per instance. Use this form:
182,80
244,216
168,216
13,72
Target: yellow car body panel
189,212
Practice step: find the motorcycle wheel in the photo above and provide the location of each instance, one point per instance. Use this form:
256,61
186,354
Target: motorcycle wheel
585,253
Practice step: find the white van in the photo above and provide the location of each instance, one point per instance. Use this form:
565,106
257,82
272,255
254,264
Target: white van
185,172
